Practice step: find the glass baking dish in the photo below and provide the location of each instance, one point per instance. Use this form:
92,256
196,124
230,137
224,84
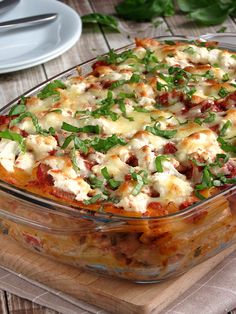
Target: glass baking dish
144,250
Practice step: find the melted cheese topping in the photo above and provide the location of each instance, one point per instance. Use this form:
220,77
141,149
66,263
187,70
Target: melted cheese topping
151,126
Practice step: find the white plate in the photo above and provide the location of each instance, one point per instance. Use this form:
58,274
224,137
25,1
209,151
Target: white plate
27,47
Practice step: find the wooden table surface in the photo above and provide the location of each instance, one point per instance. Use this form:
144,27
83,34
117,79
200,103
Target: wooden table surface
94,41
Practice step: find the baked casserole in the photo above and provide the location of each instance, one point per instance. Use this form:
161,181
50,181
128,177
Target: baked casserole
144,136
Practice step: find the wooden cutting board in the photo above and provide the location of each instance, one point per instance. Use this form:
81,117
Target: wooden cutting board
113,295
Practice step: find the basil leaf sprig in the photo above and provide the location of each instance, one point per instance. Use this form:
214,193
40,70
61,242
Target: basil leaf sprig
18,108
151,62
209,12
74,160
102,19
155,130
51,89
223,92
204,12
94,182
211,118
176,78
85,129
99,144
105,108
94,199
107,104
135,78
209,178
144,10
116,58
111,181
158,162
35,122
104,144
225,127
220,160
78,143
141,178
7,134
226,146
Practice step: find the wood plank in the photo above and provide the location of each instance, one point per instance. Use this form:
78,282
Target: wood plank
180,24
129,29
18,305
91,43
129,298
14,84
3,303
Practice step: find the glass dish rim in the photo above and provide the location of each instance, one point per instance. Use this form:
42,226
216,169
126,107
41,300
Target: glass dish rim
79,211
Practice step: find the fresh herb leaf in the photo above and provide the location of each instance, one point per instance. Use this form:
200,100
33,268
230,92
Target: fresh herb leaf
157,23
222,29
51,131
118,83
141,178
190,50
102,19
78,143
105,109
155,130
225,127
56,110
27,115
148,59
122,108
158,162
7,134
199,195
18,108
126,95
210,15
233,56
95,182
227,147
86,129
191,5
211,117
206,180
112,182
223,92
135,78
198,121
52,90
221,159
140,109
103,145
161,86
208,12
209,75
197,163
74,160
190,92
225,77
93,199
116,58
35,122
105,173
144,10
230,180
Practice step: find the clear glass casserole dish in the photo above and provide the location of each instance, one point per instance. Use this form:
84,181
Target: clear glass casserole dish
141,249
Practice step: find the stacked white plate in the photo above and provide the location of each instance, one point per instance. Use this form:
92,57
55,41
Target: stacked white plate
27,47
